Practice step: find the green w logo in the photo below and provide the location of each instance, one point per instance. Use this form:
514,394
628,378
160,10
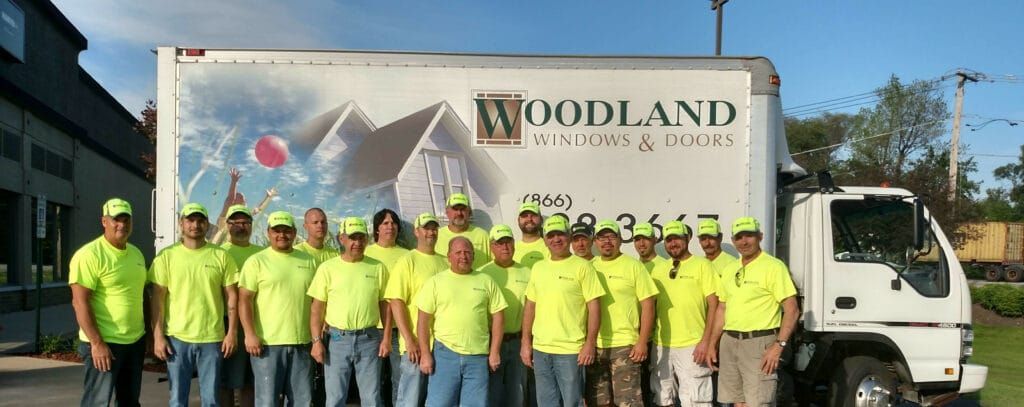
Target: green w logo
498,118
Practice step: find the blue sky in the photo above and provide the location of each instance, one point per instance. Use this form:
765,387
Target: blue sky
823,49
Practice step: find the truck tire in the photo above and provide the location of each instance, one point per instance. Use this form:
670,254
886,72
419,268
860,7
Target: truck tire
862,381
993,273
1014,273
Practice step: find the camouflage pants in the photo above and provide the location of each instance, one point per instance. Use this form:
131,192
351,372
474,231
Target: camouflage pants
613,379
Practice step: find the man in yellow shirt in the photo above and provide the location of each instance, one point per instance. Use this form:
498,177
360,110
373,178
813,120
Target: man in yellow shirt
508,383
274,310
387,227
459,212
682,334
348,293
644,242
463,311
564,291
107,279
758,313
404,282
236,372
709,234
614,379
194,284
582,236
531,248
317,233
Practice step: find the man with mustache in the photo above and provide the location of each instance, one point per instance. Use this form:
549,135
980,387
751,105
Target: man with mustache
459,212
237,370
530,249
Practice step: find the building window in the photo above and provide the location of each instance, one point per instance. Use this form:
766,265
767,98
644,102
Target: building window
55,255
52,163
446,175
8,241
10,145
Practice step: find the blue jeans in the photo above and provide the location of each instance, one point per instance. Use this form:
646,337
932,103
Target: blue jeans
508,384
395,360
123,380
350,351
559,379
412,385
283,370
204,358
458,380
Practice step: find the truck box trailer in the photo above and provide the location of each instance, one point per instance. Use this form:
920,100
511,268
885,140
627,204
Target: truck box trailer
998,247
885,306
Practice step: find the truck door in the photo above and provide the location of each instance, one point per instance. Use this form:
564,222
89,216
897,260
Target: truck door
876,283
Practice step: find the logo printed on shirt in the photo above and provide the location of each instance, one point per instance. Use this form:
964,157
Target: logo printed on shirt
479,289
566,278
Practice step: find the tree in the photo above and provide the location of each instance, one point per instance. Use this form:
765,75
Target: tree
997,207
1008,204
886,138
147,128
810,139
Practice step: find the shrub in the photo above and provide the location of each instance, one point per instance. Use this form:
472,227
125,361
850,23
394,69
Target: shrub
49,344
1004,299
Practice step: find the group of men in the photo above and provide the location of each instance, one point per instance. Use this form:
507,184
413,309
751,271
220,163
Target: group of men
466,317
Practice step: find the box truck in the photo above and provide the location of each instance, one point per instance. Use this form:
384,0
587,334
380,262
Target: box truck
996,247
885,309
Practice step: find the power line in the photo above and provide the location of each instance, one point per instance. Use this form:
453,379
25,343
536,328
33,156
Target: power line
871,93
855,101
868,137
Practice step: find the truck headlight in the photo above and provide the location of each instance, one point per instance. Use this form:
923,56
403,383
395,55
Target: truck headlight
966,342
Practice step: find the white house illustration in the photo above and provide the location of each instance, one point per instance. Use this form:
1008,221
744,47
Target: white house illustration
333,135
413,164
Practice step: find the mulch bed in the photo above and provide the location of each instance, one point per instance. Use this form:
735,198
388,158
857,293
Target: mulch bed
987,317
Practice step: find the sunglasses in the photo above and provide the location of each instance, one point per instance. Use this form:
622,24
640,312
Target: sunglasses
675,269
739,275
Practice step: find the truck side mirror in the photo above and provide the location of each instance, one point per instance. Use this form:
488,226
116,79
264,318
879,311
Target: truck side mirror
920,225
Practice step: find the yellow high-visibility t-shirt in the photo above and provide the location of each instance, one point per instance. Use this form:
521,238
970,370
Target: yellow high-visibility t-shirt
721,261
320,255
512,281
405,281
462,305
281,307
478,236
529,254
653,262
682,305
195,281
626,282
352,290
387,256
116,279
753,293
241,253
561,290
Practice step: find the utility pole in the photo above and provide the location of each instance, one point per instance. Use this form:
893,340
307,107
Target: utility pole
718,5
955,147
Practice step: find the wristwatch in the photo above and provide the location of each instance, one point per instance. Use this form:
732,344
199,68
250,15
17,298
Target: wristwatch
317,339
782,344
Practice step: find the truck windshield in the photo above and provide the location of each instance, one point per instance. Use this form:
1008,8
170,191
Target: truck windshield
882,231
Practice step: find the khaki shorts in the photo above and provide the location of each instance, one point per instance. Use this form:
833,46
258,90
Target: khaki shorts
674,375
739,378
613,379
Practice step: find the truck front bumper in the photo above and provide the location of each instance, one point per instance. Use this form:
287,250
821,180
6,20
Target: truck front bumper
972,377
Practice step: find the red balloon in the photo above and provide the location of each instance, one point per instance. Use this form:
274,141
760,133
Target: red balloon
271,151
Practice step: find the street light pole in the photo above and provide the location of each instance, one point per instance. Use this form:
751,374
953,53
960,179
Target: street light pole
719,6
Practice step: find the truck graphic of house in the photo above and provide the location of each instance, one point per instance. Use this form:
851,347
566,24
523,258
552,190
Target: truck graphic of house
414,163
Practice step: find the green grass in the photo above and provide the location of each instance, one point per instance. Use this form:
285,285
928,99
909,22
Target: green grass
999,348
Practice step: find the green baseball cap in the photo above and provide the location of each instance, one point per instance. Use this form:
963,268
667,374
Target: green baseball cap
675,228
499,232
281,218
644,229
708,227
745,224
233,209
529,207
582,229
458,199
555,224
424,218
353,225
193,208
606,224
117,206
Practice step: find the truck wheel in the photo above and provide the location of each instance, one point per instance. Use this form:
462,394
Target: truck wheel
862,381
993,273
1014,273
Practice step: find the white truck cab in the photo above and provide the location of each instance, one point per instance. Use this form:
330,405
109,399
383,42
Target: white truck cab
886,311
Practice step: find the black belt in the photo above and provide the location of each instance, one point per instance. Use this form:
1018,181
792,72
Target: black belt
511,336
752,334
354,331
